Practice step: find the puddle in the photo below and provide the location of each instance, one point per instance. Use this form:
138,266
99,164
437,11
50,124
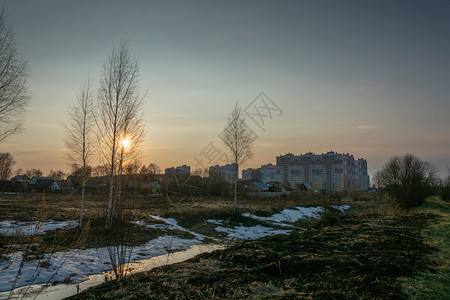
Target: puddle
65,290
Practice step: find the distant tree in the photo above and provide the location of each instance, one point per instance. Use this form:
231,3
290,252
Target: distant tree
444,190
6,164
132,168
101,170
79,138
33,173
19,171
78,171
57,175
150,171
407,179
131,171
14,94
238,139
120,125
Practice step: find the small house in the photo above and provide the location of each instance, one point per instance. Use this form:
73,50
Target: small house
41,183
305,187
62,186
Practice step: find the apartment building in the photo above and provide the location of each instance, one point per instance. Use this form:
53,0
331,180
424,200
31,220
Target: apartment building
228,172
182,170
329,171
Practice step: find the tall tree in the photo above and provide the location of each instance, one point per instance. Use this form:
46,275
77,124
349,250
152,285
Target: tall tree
14,94
79,138
238,139
6,164
120,125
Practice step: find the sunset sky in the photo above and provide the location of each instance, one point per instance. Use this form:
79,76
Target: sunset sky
371,78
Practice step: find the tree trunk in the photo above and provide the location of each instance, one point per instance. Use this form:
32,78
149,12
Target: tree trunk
235,188
82,202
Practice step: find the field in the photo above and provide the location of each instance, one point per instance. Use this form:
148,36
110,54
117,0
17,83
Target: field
369,251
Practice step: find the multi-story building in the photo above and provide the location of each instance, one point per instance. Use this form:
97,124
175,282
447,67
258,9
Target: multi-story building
251,174
330,171
183,170
228,172
270,173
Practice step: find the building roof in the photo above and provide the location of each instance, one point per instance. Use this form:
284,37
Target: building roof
20,178
64,183
261,185
42,179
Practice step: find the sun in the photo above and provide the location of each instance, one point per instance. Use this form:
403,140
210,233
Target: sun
125,142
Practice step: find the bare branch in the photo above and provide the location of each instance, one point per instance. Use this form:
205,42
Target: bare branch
14,94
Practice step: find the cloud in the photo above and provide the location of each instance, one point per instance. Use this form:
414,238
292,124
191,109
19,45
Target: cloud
367,127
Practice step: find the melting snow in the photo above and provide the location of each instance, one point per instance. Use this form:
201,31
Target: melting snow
29,228
249,233
341,208
290,215
293,215
79,263
212,221
171,224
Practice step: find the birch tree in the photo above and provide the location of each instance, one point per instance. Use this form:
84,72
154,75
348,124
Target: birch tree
120,125
80,135
13,85
238,139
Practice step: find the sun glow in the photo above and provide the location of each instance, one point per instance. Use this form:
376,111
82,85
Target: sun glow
126,142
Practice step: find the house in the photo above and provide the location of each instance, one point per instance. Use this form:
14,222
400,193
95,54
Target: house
21,178
18,183
41,183
260,186
154,186
62,186
305,187
263,190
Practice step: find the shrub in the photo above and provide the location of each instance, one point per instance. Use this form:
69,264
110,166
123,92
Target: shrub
407,179
444,190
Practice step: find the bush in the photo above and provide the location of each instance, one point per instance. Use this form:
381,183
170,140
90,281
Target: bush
407,179
444,190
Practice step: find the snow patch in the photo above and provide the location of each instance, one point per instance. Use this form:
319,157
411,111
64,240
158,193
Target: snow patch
171,224
217,222
10,228
250,233
341,208
290,215
78,263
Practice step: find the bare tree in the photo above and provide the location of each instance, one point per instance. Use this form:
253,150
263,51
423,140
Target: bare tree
6,163
33,173
407,179
238,139
150,172
57,175
14,94
120,125
132,168
101,170
79,138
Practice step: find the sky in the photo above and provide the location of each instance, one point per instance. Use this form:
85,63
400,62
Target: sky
369,78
